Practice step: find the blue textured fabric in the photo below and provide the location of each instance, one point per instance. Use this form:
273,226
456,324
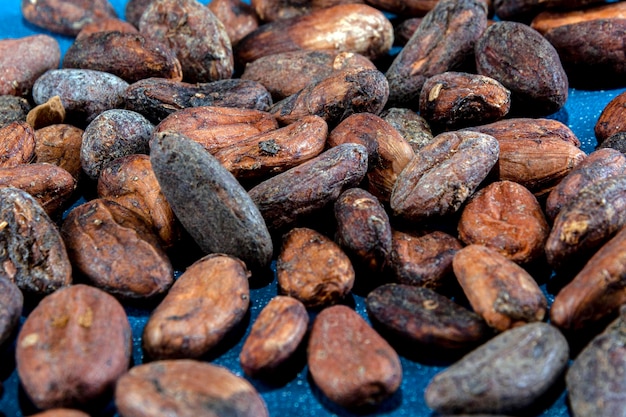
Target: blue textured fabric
298,396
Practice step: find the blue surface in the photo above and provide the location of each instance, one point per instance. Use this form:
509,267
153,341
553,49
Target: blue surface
298,396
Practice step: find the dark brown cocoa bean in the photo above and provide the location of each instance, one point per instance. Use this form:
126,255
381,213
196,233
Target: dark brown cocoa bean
204,304
403,30
405,7
271,10
112,24
216,127
616,141
130,56
524,62
422,259
525,10
363,228
194,34
116,250
596,292
422,317
413,127
52,186
594,383
11,305
186,387
261,156
528,128
134,9
130,182
17,143
286,73
453,100
586,223
84,93
13,109
209,202
157,98
60,145
341,94
275,336
32,252
64,339
239,17
296,194
25,59
505,216
596,166
499,290
551,19
345,28
443,174
313,269
66,17
349,361
507,374
443,42
112,134
610,120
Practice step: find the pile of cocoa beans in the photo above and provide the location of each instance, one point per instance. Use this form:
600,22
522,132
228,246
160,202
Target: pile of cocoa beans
342,193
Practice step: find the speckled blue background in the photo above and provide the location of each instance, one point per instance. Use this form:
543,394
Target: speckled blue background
298,396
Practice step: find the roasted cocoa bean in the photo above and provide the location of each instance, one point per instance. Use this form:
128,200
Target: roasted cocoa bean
405,8
271,10
25,59
66,17
61,412
239,17
207,301
422,317
453,100
130,56
186,387
413,127
345,28
538,83
341,94
528,128
610,120
507,374
499,290
349,361
286,73
11,305
52,186
17,143
112,134
60,145
599,61
130,182
505,216
209,202
292,196
216,127
69,334
596,166
275,336
363,228
443,174
84,93
443,42
195,35
157,98
134,9
32,252
594,383
596,292
313,269
273,152
403,30
422,259
616,141
112,24
586,223
116,250
13,109
551,19
388,152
